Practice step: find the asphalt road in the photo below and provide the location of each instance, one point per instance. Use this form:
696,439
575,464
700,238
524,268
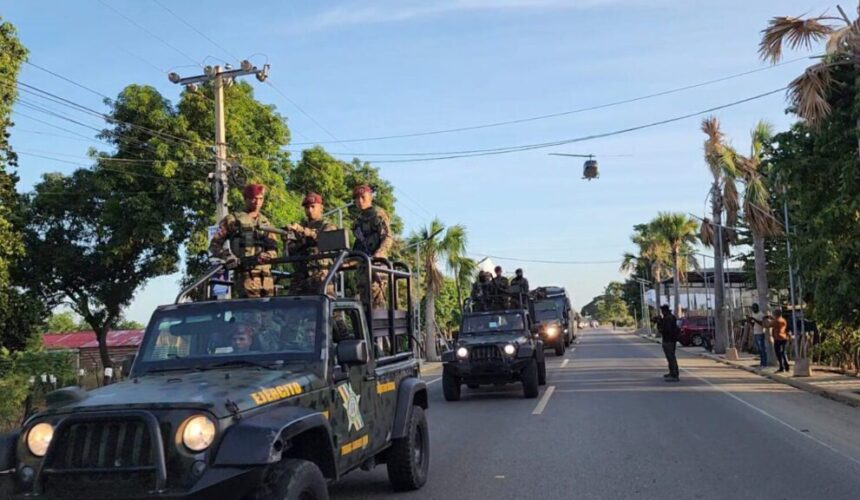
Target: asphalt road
608,426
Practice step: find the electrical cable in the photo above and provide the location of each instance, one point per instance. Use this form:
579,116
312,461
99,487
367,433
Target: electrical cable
186,23
561,113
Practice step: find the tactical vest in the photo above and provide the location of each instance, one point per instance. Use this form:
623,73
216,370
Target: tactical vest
310,246
248,240
366,228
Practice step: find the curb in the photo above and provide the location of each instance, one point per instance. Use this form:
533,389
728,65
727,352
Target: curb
839,396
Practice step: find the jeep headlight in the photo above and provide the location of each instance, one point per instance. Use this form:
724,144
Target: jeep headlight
198,432
552,331
39,438
510,349
462,352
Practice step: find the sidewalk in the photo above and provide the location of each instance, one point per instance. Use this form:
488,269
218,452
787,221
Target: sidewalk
429,367
824,382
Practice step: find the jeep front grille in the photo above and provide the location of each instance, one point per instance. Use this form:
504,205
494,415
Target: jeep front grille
103,445
485,353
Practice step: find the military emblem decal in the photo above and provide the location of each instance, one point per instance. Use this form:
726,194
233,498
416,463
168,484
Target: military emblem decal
350,403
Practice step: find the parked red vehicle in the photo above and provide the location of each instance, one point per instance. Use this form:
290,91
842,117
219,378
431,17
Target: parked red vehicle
696,331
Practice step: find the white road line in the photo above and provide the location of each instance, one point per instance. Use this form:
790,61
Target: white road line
564,363
772,417
543,400
434,380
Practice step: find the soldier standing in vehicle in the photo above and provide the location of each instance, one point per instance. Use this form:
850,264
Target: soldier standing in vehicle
250,248
372,231
308,276
520,284
502,289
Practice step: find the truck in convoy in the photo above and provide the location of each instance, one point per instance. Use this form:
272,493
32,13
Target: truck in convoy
556,295
267,398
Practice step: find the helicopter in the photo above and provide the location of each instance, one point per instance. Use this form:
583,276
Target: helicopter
589,168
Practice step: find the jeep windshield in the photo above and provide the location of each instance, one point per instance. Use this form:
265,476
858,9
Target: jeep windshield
486,324
232,333
546,311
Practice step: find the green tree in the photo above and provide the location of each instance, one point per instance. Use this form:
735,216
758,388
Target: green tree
435,245
21,310
65,321
679,232
610,307
653,259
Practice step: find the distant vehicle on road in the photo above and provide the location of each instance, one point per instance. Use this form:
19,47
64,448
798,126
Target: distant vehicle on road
567,316
494,347
549,326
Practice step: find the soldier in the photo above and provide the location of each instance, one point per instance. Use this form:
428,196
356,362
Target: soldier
481,291
250,248
520,284
372,231
501,289
308,276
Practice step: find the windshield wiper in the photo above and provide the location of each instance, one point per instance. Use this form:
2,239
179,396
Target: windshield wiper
269,365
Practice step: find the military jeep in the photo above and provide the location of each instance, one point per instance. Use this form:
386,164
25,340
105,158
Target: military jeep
549,326
325,386
494,347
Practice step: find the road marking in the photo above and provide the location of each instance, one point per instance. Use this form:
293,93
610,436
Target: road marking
434,380
500,477
543,400
564,363
772,417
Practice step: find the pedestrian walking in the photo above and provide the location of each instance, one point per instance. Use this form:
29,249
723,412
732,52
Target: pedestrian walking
757,319
781,337
668,327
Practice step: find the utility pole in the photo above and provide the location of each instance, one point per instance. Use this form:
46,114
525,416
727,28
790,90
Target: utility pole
220,78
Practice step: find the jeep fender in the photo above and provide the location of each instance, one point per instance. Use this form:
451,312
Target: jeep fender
8,445
412,391
266,437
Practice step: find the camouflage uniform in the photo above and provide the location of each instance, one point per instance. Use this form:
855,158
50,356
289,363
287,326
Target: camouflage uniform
501,291
372,231
248,243
309,276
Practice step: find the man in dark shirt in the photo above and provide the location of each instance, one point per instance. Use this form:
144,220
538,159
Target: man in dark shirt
668,327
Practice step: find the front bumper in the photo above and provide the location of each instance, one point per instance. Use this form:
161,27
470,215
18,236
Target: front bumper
487,372
216,483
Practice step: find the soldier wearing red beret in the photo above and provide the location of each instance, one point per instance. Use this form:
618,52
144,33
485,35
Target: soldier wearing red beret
308,276
372,231
250,248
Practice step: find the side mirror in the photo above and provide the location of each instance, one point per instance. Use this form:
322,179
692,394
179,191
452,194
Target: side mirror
352,352
127,364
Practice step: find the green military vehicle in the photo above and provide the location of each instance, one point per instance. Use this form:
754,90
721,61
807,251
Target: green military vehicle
545,295
549,326
495,347
266,398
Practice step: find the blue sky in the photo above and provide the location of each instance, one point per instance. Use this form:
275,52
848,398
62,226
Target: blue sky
365,69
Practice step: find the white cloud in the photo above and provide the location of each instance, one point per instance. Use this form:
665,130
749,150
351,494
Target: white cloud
390,12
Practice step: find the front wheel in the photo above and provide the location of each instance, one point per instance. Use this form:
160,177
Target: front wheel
451,387
697,341
559,347
293,479
530,379
409,456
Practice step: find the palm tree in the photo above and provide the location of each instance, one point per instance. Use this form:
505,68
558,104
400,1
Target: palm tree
464,270
724,199
808,92
679,231
757,213
432,246
653,256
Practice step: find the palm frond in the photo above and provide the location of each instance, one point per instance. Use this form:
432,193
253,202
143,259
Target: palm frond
706,233
808,93
794,32
761,135
838,41
731,201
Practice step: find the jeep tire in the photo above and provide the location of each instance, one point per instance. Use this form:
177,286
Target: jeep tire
530,379
542,373
409,457
293,479
559,347
451,387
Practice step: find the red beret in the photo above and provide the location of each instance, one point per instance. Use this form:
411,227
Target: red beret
312,198
361,189
252,190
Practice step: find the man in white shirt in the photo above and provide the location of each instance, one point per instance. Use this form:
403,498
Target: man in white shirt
757,320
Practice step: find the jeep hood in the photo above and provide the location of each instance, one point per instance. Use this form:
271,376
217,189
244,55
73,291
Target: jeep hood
497,338
211,390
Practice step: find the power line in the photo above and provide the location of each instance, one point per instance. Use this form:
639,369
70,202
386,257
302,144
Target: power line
150,33
108,169
302,111
560,262
529,147
561,113
186,23
69,80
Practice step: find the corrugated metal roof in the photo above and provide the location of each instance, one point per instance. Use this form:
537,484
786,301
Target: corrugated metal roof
85,340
